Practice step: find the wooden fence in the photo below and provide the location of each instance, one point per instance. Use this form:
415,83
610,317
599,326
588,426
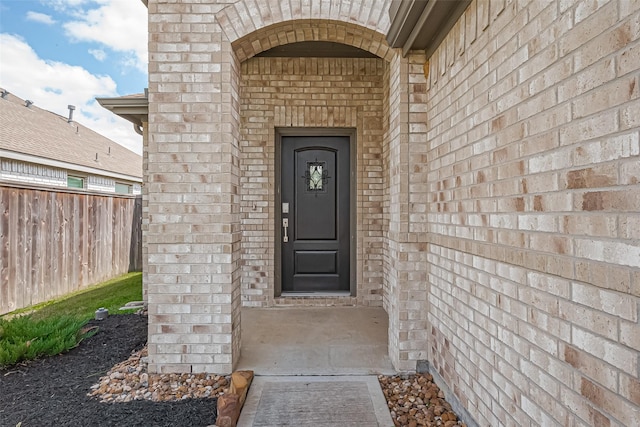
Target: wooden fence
56,242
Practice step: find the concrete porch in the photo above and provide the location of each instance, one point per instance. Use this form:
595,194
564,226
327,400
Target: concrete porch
315,341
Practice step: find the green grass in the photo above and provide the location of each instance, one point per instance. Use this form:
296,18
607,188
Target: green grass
57,326
111,295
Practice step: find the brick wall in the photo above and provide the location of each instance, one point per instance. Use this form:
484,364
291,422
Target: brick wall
497,197
200,224
531,198
405,243
192,200
309,92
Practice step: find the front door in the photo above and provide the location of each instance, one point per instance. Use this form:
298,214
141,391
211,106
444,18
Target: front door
315,215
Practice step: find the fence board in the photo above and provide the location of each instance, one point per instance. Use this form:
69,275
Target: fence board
135,255
35,241
4,248
24,228
57,242
53,243
75,249
12,241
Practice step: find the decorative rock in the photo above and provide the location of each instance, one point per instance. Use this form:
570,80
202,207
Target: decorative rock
117,376
130,380
415,400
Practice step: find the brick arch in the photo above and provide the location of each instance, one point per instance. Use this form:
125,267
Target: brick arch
246,16
311,30
253,26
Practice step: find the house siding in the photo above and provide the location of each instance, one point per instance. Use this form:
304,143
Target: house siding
46,176
31,173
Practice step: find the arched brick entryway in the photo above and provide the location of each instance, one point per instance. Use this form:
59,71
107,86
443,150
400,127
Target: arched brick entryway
247,16
199,124
304,30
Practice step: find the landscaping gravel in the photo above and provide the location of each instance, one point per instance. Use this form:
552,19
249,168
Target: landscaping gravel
129,380
104,381
415,400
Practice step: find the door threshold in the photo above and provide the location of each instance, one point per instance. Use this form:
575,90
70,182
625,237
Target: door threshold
316,294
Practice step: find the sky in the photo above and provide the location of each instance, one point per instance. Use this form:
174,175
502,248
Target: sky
61,52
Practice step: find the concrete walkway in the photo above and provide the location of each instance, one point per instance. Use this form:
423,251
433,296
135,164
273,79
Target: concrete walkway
317,401
315,341
315,366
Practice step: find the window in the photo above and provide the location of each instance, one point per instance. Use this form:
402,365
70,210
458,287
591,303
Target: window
316,176
123,188
75,182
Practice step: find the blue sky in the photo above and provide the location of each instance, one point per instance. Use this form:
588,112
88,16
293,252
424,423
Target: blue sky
61,52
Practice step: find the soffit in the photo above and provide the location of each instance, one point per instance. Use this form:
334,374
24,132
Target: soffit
134,108
422,24
317,49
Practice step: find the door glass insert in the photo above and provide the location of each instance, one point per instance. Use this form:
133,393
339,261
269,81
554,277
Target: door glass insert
316,176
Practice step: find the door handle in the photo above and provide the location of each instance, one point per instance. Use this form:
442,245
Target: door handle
285,226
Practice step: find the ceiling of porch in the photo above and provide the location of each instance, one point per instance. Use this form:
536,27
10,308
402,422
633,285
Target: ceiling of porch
317,49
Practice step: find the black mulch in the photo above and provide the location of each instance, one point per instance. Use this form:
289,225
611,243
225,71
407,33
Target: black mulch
53,391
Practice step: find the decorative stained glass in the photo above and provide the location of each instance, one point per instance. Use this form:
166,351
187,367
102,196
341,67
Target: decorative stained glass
316,176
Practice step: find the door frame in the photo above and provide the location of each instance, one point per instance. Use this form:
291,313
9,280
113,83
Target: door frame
353,214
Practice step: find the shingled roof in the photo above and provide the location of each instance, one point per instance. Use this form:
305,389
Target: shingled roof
43,134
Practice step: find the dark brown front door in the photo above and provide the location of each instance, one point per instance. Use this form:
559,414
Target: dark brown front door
315,213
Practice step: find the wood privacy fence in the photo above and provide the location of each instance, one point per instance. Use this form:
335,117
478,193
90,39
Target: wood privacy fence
55,242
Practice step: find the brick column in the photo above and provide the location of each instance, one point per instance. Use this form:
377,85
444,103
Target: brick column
396,176
193,235
405,262
145,210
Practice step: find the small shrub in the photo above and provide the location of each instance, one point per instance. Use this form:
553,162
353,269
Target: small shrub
26,338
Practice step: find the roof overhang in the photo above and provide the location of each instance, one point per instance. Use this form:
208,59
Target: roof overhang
422,24
22,157
134,108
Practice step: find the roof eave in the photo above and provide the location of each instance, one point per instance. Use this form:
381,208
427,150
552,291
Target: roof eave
423,24
135,110
23,157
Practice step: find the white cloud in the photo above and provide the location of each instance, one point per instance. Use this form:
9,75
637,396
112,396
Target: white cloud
120,25
54,85
99,54
40,17
63,5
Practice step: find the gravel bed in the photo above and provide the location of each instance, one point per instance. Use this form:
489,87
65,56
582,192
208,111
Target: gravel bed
415,400
104,381
129,380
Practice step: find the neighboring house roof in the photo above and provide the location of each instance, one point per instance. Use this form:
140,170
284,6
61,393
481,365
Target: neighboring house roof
40,136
